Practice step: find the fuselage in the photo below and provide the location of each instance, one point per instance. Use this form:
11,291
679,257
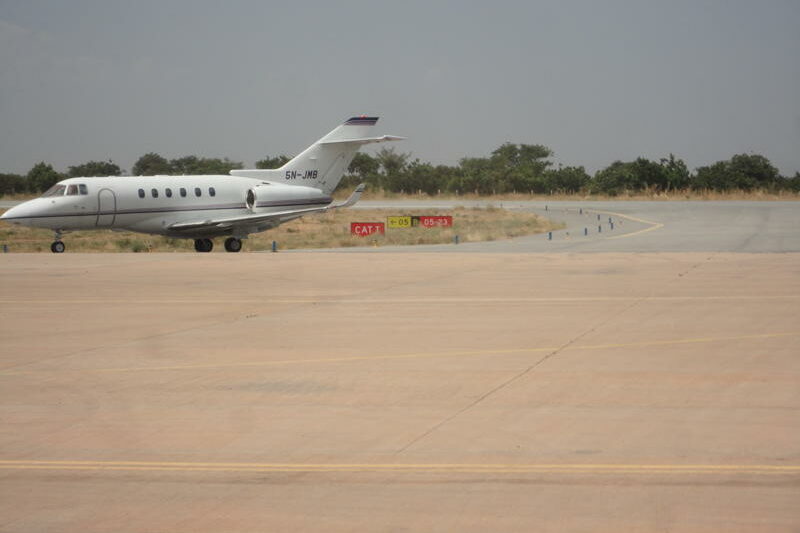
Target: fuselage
151,204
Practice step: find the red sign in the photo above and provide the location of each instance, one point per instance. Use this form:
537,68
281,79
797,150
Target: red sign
436,221
363,229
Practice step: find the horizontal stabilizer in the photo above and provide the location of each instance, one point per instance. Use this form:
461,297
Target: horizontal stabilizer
365,140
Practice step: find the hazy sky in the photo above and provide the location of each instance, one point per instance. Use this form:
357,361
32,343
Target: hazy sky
594,80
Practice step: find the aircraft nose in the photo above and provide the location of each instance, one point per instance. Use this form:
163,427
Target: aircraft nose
15,213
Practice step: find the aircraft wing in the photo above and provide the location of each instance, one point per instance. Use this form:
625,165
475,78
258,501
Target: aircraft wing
260,218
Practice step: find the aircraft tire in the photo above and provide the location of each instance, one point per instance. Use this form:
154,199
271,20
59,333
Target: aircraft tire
232,244
57,247
203,245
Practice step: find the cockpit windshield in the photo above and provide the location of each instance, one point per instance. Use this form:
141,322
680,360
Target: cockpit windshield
71,189
55,190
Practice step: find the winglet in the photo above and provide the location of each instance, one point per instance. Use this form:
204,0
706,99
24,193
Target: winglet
355,197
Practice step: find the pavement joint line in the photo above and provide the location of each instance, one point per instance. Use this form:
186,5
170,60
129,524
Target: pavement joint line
508,382
495,468
699,340
426,301
552,353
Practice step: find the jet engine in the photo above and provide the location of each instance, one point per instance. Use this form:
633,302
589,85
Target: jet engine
275,195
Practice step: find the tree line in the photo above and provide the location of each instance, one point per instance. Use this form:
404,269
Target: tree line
528,169
511,168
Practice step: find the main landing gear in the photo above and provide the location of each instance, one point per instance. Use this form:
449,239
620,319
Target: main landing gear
58,246
203,245
232,244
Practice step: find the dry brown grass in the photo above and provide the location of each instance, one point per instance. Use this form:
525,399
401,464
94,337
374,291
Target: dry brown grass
328,230
682,195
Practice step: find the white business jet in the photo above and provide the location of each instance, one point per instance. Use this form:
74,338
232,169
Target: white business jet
203,207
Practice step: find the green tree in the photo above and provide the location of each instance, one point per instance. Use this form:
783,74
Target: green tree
447,178
648,175
533,157
393,165
362,169
193,165
12,184
676,173
712,177
95,168
425,177
637,175
519,167
41,177
186,165
151,164
566,180
751,171
476,176
272,162
743,171
364,166
614,179
792,184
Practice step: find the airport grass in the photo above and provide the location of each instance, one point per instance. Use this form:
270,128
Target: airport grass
645,195
326,230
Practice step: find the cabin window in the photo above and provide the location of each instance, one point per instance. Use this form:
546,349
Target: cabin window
72,190
84,190
168,192
183,192
154,192
141,193
211,191
55,190
197,191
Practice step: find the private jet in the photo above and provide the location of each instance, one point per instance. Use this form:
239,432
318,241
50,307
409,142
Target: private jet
204,207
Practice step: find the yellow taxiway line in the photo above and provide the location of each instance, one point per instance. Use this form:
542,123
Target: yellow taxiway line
420,355
470,353
404,468
653,225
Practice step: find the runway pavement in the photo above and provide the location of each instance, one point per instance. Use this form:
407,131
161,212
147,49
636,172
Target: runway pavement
406,391
622,226
668,226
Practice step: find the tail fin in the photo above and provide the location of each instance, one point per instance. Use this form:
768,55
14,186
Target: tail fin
323,164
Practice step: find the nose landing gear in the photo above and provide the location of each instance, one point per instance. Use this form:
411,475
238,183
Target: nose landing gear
58,246
203,245
232,244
